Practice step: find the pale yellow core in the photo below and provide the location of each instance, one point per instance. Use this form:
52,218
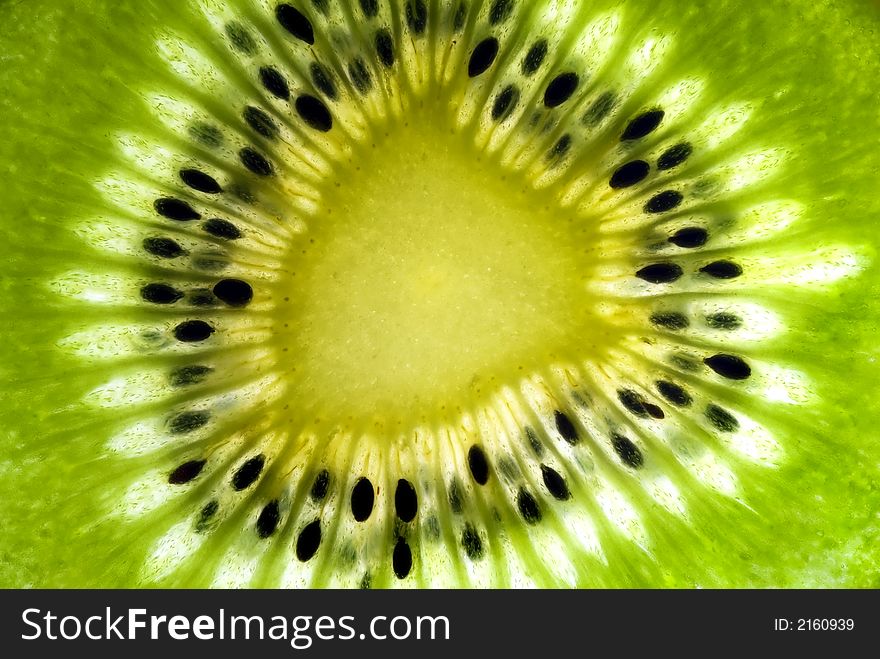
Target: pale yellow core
428,280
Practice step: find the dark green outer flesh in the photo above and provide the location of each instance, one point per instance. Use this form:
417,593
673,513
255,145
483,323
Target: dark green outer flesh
68,76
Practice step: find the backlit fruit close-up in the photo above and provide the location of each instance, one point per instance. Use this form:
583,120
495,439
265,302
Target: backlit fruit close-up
439,293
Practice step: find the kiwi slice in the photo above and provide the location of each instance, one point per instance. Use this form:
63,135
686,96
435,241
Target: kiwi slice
477,293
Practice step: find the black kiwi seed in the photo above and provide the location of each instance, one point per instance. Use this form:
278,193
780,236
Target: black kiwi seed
673,393
210,261
360,75
600,108
455,497
248,473
629,174
417,16
470,541
200,181
208,135
674,156
255,162
508,468
294,22
401,559
562,146
504,103
636,404
193,331
729,366
406,503
187,422
186,472
721,418
241,39
268,520
560,89
313,111
628,452
725,321
222,229
565,427
535,57
642,125
206,514
165,248
660,273
202,297
528,507
175,209
672,320
243,193
260,122
664,201
308,541
689,237
370,8
320,486
323,81
188,375
500,11
534,442
459,18
362,496
432,527
385,47
478,465
632,401
722,270
483,56
234,292
555,483
685,363
160,294
654,411
274,83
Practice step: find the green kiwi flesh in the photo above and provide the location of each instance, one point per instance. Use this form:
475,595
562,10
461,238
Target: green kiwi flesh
421,293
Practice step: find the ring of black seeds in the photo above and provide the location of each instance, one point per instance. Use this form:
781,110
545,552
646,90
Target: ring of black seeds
669,263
